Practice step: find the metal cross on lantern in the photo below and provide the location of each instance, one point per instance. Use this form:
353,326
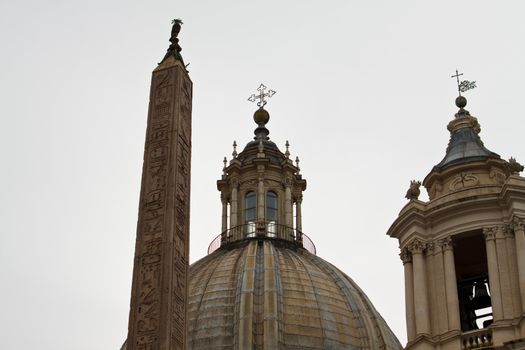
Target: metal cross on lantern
465,85
261,95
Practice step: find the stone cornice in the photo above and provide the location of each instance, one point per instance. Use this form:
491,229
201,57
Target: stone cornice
413,214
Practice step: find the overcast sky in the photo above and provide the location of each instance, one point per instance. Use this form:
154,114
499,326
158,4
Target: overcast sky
364,95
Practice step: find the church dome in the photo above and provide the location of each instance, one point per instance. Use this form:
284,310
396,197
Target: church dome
266,293
262,285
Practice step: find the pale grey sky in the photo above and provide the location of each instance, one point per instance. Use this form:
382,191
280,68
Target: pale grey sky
364,95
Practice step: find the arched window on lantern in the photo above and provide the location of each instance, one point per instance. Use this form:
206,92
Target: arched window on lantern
250,213
271,212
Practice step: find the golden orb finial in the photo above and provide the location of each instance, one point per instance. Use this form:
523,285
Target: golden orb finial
461,101
261,116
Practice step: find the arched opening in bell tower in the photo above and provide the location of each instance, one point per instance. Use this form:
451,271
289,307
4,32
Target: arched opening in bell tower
470,259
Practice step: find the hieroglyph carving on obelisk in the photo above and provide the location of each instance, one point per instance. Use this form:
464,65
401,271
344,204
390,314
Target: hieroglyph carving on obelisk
160,276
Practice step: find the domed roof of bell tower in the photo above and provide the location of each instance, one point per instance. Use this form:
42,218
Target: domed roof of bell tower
468,165
465,144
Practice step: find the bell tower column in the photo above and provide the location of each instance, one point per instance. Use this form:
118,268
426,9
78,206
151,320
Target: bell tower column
421,309
492,262
519,236
406,258
451,284
159,292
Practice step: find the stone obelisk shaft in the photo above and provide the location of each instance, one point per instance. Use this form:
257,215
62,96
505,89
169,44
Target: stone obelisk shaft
159,293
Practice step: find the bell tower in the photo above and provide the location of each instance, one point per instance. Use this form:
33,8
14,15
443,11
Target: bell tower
463,250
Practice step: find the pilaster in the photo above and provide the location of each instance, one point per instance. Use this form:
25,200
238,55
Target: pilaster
406,258
288,208
234,206
224,221
504,273
494,278
260,199
440,289
450,284
510,244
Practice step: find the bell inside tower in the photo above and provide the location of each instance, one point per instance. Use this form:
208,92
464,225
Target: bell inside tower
470,258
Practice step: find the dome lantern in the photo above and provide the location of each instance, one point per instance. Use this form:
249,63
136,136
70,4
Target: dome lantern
262,191
262,285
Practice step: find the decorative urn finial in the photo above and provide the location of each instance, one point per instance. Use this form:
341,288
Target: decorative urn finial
413,191
514,167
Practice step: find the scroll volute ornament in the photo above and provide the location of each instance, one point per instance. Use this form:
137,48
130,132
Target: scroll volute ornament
490,233
463,180
497,175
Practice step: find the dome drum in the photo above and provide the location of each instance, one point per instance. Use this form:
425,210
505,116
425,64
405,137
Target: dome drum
258,230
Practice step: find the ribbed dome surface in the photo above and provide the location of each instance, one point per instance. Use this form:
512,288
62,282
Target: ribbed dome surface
271,151
265,294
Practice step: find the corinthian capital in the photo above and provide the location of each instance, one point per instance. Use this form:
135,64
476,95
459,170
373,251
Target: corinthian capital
508,231
446,243
429,248
405,256
417,246
517,223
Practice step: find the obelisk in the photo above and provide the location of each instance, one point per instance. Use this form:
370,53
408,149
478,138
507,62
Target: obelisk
159,294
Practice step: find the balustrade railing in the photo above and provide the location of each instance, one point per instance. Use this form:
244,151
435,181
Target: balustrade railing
262,229
477,339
